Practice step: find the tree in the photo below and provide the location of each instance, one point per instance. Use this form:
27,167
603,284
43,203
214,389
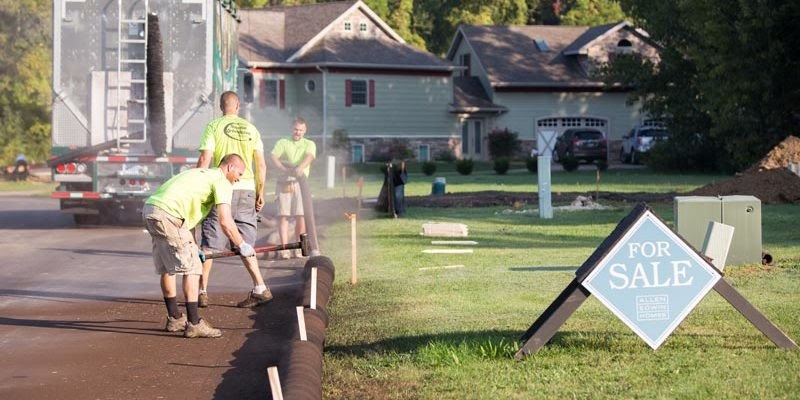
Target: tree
727,76
25,79
593,12
400,20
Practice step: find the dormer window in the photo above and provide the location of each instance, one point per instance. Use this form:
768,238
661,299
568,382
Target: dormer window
541,44
362,27
624,46
348,27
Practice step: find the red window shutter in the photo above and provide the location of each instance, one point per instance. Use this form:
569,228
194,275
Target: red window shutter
348,93
262,93
282,93
372,93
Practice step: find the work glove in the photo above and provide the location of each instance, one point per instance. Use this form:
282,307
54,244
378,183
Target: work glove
202,256
246,250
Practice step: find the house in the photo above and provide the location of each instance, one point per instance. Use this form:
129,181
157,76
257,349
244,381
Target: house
341,68
540,78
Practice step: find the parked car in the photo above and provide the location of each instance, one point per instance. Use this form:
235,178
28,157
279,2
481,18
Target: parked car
582,144
639,141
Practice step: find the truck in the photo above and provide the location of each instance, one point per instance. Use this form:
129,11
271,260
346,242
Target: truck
639,141
134,84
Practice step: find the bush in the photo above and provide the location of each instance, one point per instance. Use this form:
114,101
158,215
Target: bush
394,150
602,165
501,165
570,164
502,143
445,156
532,164
465,166
428,168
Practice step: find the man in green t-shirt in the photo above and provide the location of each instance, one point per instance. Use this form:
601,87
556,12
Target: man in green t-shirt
169,214
293,156
230,134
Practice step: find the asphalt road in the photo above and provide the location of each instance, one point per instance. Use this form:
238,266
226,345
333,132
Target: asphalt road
81,316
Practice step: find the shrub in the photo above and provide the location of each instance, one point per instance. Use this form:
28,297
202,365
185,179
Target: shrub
570,164
394,150
502,143
445,156
601,164
501,165
465,166
532,164
428,168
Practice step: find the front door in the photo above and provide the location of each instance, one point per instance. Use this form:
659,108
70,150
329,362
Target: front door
472,139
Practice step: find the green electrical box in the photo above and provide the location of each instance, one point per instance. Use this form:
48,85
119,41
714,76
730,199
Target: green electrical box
743,213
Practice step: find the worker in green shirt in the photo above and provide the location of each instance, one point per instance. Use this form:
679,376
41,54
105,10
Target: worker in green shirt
293,157
169,215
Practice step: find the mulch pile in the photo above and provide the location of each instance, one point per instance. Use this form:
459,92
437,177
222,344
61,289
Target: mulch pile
769,179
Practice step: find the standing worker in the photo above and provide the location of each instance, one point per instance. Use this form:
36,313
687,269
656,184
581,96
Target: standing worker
176,207
293,156
225,135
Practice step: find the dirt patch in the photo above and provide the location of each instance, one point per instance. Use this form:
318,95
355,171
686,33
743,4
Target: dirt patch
785,153
769,179
520,199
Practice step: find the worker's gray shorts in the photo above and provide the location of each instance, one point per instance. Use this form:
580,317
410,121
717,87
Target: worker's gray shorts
243,208
174,249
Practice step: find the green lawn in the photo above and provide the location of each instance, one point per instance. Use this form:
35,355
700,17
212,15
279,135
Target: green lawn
406,333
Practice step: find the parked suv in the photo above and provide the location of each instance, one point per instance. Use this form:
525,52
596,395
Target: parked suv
639,141
582,144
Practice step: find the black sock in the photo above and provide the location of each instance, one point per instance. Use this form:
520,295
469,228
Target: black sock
192,313
172,307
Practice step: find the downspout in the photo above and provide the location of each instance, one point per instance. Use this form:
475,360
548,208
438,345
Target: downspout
324,106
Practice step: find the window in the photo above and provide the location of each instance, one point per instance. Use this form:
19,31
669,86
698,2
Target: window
465,61
310,85
357,153
464,139
362,27
273,93
547,122
348,26
624,46
541,44
478,137
424,153
594,122
359,92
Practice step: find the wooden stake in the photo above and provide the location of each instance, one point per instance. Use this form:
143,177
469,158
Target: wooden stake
274,383
353,248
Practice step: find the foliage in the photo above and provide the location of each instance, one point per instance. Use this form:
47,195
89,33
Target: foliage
400,20
25,56
340,139
501,165
396,149
502,143
428,168
445,156
602,165
464,166
570,164
727,74
593,12
532,164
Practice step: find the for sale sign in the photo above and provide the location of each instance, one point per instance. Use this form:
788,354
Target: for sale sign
651,279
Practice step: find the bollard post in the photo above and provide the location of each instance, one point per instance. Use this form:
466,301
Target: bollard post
353,248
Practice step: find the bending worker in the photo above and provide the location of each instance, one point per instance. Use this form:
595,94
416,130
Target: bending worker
225,135
176,207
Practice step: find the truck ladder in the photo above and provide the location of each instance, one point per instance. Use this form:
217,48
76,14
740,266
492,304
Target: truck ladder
132,38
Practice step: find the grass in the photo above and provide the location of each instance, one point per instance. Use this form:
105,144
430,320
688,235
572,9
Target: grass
29,187
404,333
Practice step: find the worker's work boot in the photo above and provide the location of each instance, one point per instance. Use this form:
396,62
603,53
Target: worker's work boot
255,299
202,300
176,324
202,330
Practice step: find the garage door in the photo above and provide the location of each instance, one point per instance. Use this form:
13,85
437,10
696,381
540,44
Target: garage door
560,124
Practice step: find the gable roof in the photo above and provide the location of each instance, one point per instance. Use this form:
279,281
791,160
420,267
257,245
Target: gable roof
470,97
511,57
291,36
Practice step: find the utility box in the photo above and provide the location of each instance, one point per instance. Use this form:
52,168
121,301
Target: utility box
743,213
